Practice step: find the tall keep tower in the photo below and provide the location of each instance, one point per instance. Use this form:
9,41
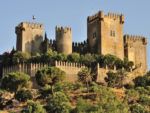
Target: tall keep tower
64,40
105,34
29,37
135,50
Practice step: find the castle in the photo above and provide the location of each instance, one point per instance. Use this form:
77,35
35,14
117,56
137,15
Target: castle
104,36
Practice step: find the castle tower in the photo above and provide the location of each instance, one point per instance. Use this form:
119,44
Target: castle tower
29,37
64,40
105,34
135,50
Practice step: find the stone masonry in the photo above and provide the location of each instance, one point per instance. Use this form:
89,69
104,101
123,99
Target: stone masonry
104,36
29,37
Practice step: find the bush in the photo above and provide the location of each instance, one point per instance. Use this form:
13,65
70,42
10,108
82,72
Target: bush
74,57
137,108
129,86
84,107
144,100
15,81
45,91
33,107
58,103
23,95
132,96
49,76
142,90
141,81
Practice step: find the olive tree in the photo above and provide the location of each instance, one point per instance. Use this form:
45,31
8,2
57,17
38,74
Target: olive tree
49,76
15,81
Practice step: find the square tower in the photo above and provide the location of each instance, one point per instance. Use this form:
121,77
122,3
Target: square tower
29,37
105,34
135,51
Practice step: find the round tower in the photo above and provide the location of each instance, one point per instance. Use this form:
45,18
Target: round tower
64,40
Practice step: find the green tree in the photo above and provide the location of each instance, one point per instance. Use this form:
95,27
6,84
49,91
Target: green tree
6,59
33,107
141,81
132,96
111,79
74,57
85,77
60,57
49,76
23,95
20,57
144,100
58,103
87,59
15,81
84,107
137,108
115,79
110,60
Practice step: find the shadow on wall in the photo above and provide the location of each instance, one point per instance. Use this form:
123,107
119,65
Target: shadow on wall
34,45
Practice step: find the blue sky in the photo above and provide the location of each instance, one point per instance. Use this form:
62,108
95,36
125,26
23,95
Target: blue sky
71,13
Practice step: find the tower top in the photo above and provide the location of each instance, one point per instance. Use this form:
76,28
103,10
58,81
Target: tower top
135,38
100,15
63,29
30,25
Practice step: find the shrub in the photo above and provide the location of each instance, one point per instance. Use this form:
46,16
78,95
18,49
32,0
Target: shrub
141,81
84,107
144,100
58,103
14,81
132,96
33,107
23,95
49,76
137,108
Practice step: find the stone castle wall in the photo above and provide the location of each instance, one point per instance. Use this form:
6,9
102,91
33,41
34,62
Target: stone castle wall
135,50
102,73
104,36
71,69
30,68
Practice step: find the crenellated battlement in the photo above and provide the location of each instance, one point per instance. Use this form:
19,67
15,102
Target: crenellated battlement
134,38
113,15
78,44
64,40
63,29
100,15
71,69
68,64
32,25
80,47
